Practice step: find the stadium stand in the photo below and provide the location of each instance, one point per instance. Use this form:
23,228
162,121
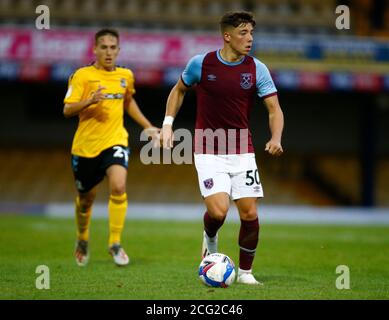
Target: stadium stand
27,181
382,182
340,176
273,16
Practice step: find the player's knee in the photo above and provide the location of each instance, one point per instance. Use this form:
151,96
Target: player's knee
118,189
219,212
249,215
217,215
86,202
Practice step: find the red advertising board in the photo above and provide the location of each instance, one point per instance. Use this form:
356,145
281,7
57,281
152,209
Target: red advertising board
136,48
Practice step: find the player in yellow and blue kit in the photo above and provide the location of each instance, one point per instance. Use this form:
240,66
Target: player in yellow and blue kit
99,94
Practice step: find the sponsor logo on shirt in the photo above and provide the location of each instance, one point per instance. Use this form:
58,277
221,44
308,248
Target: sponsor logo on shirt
246,80
112,96
211,77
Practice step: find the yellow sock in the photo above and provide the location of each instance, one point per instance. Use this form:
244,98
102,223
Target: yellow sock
82,221
117,209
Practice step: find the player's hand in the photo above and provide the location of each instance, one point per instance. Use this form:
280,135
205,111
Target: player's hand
274,148
167,136
154,134
97,96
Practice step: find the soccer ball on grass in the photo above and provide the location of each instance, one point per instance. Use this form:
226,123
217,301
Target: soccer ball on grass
217,270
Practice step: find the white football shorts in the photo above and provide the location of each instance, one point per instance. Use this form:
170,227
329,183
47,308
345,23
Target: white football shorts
235,174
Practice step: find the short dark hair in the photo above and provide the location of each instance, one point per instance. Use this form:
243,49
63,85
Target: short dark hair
235,19
104,32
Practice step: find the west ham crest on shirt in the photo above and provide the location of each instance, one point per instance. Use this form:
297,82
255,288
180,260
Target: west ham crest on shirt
246,80
208,184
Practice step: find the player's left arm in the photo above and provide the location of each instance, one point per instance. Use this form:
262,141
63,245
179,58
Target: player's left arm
276,125
133,110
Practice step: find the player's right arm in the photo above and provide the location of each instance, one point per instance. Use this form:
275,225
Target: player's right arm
77,99
73,109
173,105
190,76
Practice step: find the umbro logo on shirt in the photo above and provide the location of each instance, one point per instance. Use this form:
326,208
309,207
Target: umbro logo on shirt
211,77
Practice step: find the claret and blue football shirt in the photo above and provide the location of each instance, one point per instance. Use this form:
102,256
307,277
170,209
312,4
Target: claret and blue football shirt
226,93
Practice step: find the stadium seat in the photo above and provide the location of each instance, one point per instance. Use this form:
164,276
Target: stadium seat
173,7
214,8
24,6
89,8
5,6
234,6
132,7
68,7
110,7
152,7
194,8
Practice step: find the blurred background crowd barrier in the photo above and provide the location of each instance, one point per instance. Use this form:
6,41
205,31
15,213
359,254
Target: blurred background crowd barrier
333,87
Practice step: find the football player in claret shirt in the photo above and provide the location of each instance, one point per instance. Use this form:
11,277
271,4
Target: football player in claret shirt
99,94
227,82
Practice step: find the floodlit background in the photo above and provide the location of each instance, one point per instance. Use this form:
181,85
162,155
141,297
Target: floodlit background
333,87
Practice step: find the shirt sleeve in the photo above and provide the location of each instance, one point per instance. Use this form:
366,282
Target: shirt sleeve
131,83
76,87
192,72
265,84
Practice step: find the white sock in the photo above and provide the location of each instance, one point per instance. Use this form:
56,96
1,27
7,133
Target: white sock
211,243
241,271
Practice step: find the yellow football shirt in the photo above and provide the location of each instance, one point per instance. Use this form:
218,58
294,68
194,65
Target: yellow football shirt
100,125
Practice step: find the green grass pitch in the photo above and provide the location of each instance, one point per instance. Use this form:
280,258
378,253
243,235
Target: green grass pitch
293,261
